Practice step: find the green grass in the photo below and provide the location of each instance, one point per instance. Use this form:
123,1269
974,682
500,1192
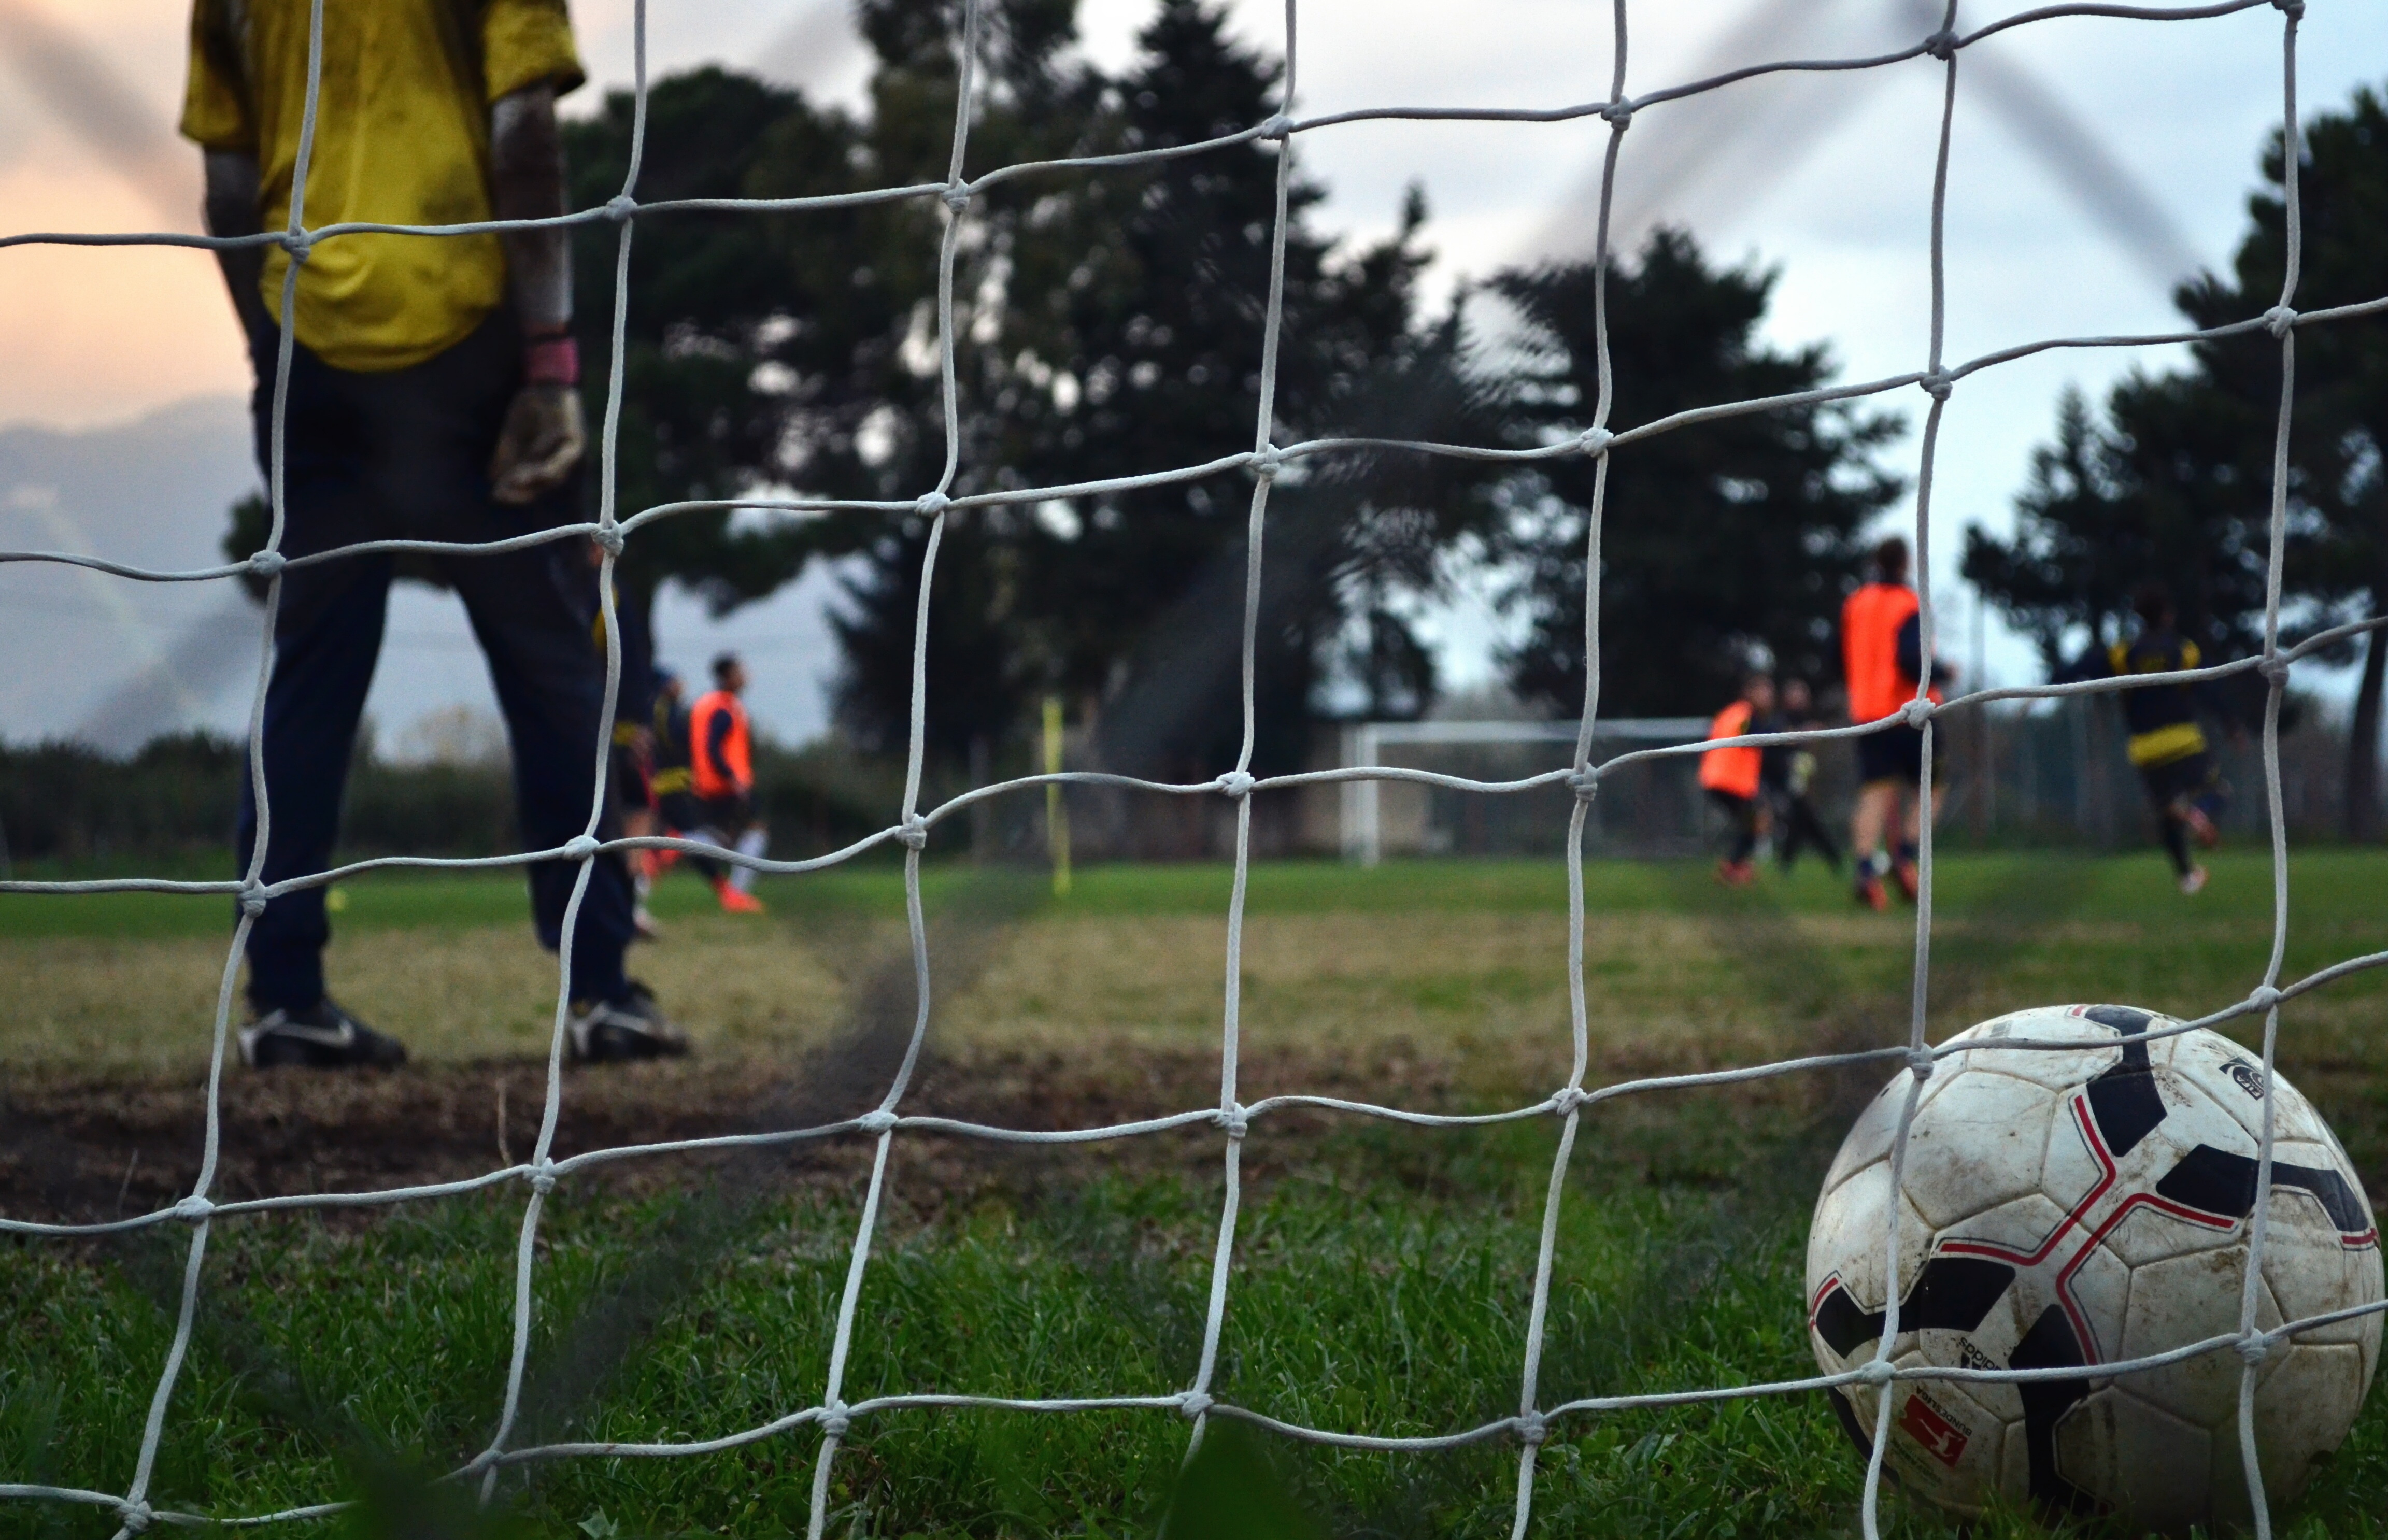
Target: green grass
1392,1302
2324,884
1382,1275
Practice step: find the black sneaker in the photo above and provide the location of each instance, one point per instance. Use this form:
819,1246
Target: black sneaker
321,1037
609,1032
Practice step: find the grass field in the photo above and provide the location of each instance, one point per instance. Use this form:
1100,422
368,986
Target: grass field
1382,1274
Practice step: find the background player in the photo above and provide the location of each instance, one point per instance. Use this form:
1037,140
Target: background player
2166,745
1882,657
721,773
432,395
631,766
1730,776
1789,773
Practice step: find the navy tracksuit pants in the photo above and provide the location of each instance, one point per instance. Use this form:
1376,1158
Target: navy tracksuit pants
405,454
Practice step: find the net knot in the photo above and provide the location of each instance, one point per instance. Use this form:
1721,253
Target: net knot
621,205
2278,319
1915,713
137,1517
914,834
1920,1062
1277,127
956,195
1193,1404
300,245
1586,783
1236,1121
1937,385
193,1209
580,848
930,504
1533,1429
836,1420
2254,1348
542,1177
2275,669
252,899
1876,1372
1618,114
1568,1100
268,564
1593,442
876,1121
1268,459
2293,9
2264,997
608,537
1235,783
1942,44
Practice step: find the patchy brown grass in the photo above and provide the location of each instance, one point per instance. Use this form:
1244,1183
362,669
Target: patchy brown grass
1050,1021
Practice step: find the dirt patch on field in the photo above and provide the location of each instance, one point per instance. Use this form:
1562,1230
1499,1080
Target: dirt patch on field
101,1149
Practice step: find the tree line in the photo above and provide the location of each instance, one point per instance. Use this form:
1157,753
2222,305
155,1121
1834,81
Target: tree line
1109,322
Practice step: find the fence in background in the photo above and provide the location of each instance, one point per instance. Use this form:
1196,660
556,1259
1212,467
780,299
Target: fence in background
2049,775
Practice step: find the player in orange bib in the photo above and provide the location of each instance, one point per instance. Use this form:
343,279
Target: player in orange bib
1882,657
1730,776
721,773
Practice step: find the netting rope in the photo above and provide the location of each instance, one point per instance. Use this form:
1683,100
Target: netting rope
1532,1423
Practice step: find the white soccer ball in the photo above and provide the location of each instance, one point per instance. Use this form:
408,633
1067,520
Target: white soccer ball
2085,1208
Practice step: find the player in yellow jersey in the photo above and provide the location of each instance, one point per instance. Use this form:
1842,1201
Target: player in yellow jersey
2166,745
431,396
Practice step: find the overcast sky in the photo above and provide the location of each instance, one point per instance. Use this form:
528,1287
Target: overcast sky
1824,178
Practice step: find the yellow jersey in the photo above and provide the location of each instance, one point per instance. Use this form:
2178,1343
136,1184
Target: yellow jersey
401,137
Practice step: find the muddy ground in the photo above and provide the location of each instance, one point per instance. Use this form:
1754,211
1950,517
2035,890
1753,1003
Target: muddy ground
98,1149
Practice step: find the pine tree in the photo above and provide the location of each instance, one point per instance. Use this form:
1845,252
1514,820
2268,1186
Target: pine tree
2338,489
2175,484
1719,542
1127,338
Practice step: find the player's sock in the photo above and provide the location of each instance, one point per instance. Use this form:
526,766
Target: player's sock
751,843
1869,884
2176,843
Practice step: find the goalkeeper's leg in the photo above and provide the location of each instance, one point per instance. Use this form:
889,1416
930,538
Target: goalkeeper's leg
531,610
328,633
549,684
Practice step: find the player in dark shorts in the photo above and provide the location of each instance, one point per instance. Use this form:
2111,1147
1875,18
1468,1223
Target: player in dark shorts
1882,658
677,807
2167,746
1734,777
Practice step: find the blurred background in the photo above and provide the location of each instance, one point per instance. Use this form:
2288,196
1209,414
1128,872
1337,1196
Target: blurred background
1775,231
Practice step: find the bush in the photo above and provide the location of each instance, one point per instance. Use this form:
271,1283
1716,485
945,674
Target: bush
68,802
181,795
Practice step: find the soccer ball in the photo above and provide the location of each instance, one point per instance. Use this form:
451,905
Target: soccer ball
2064,1207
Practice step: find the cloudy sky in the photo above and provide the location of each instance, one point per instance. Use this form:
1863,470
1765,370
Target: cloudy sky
2094,160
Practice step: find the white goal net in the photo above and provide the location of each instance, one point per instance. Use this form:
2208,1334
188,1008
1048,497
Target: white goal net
1273,447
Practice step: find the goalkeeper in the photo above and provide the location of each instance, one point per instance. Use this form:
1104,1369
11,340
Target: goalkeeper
431,396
